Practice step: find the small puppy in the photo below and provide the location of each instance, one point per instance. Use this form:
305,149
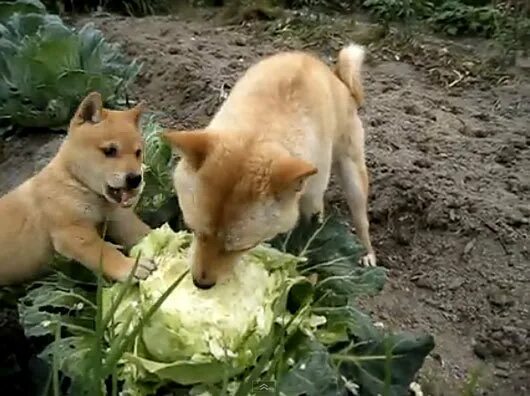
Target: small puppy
96,177
267,155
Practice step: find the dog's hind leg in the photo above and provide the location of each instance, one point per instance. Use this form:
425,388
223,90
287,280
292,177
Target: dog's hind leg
350,165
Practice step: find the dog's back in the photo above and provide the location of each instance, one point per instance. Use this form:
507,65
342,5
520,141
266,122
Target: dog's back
285,94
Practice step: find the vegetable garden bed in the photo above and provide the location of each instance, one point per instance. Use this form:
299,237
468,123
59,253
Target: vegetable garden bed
317,341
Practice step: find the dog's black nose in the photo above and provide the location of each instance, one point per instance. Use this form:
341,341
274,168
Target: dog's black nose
133,180
203,286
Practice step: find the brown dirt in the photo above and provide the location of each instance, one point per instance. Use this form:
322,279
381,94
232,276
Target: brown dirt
450,201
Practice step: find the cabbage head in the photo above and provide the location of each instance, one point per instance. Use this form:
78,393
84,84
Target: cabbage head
202,336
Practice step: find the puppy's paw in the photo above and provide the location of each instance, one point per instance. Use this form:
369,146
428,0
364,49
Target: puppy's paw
144,268
369,260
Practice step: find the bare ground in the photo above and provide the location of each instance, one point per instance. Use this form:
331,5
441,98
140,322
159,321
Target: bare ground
450,200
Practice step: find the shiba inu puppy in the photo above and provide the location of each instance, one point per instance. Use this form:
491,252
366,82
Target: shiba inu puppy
95,178
267,155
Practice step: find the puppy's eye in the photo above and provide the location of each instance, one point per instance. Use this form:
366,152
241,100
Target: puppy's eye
110,151
138,153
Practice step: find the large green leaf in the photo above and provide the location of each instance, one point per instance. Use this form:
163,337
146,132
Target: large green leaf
312,375
8,8
387,364
59,300
20,26
333,253
375,362
73,357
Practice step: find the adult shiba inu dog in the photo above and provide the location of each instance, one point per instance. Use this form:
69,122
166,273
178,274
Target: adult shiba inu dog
267,155
96,177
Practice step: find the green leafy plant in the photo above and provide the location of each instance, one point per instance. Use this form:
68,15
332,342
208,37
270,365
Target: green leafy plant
127,7
324,5
46,68
394,10
158,162
503,21
455,18
21,6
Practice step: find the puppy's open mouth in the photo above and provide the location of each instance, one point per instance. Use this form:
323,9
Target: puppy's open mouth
121,196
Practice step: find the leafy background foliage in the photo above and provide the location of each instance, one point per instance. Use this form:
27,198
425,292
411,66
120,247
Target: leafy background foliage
507,22
46,67
128,7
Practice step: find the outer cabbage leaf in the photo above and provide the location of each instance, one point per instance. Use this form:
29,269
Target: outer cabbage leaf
312,375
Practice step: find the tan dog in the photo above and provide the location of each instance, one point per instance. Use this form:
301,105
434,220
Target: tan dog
96,175
268,154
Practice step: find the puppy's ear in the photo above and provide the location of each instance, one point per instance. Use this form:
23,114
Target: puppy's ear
90,109
137,111
289,174
194,146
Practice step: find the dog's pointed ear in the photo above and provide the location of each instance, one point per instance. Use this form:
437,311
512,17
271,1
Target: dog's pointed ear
137,111
192,145
289,174
90,109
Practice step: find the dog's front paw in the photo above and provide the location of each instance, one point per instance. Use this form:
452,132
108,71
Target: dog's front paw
144,268
369,260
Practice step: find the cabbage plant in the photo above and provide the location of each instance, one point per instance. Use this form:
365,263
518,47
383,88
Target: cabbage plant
203,336
46,67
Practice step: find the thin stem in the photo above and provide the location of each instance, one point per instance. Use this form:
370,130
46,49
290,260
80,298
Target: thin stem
56,390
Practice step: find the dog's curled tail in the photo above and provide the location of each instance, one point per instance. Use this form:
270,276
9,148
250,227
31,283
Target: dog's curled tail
348,70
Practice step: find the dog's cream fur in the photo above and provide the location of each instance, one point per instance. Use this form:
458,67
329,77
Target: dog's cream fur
267,155
63,207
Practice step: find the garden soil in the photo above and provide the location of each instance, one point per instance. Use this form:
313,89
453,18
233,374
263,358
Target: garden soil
450,187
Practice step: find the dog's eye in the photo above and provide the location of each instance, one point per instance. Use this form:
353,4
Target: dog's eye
110,151
138,153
